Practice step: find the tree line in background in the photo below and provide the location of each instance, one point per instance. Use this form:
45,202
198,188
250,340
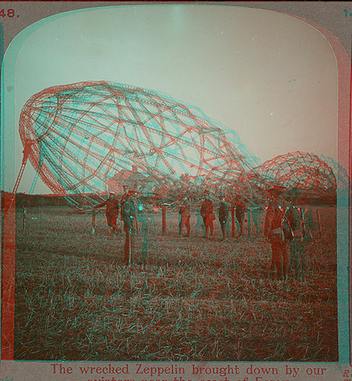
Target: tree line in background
23,199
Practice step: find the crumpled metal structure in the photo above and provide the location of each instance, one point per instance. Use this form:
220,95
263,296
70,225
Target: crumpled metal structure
305,171
79,136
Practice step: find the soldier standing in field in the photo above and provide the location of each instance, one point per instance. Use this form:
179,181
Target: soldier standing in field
184,211
112,211
128,212
146,220
309,226
123,198
297,249
240,213
199,222
223,216
254,213
206,212
274,232
154,210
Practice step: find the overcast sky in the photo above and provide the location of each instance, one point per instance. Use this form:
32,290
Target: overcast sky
269,76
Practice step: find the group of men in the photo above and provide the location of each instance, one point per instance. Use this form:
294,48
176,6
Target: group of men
285,229
208,216
206,213
128,213
284,226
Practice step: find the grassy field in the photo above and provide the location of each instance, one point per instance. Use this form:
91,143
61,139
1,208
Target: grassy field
199,300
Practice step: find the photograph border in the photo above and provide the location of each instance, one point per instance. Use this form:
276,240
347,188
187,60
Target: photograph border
335,24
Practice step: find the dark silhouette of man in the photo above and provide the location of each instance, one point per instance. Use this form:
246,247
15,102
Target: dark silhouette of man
253,213
125,192
274,232
240,213
128,212
199,223
297,249
146,219
112,211
223,216
309,223
206,212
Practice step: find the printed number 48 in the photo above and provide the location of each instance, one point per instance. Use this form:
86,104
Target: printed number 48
10,13
347,13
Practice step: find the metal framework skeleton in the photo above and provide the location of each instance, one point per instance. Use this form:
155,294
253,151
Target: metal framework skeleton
304,171
78,136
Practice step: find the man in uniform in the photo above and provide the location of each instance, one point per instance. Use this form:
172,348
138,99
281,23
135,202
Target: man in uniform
145,217
297,250
274,232
112,211
199,223
240,212
223,216
309,223
254,214
206,212
123,198
128,213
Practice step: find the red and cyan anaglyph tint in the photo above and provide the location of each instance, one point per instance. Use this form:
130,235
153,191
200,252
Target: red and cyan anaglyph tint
79,136
202,258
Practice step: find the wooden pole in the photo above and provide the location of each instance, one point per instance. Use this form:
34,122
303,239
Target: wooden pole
319,224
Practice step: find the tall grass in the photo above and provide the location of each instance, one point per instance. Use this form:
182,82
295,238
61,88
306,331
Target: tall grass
199,300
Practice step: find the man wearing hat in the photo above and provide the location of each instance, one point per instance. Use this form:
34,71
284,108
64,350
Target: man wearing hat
125,192
275,220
